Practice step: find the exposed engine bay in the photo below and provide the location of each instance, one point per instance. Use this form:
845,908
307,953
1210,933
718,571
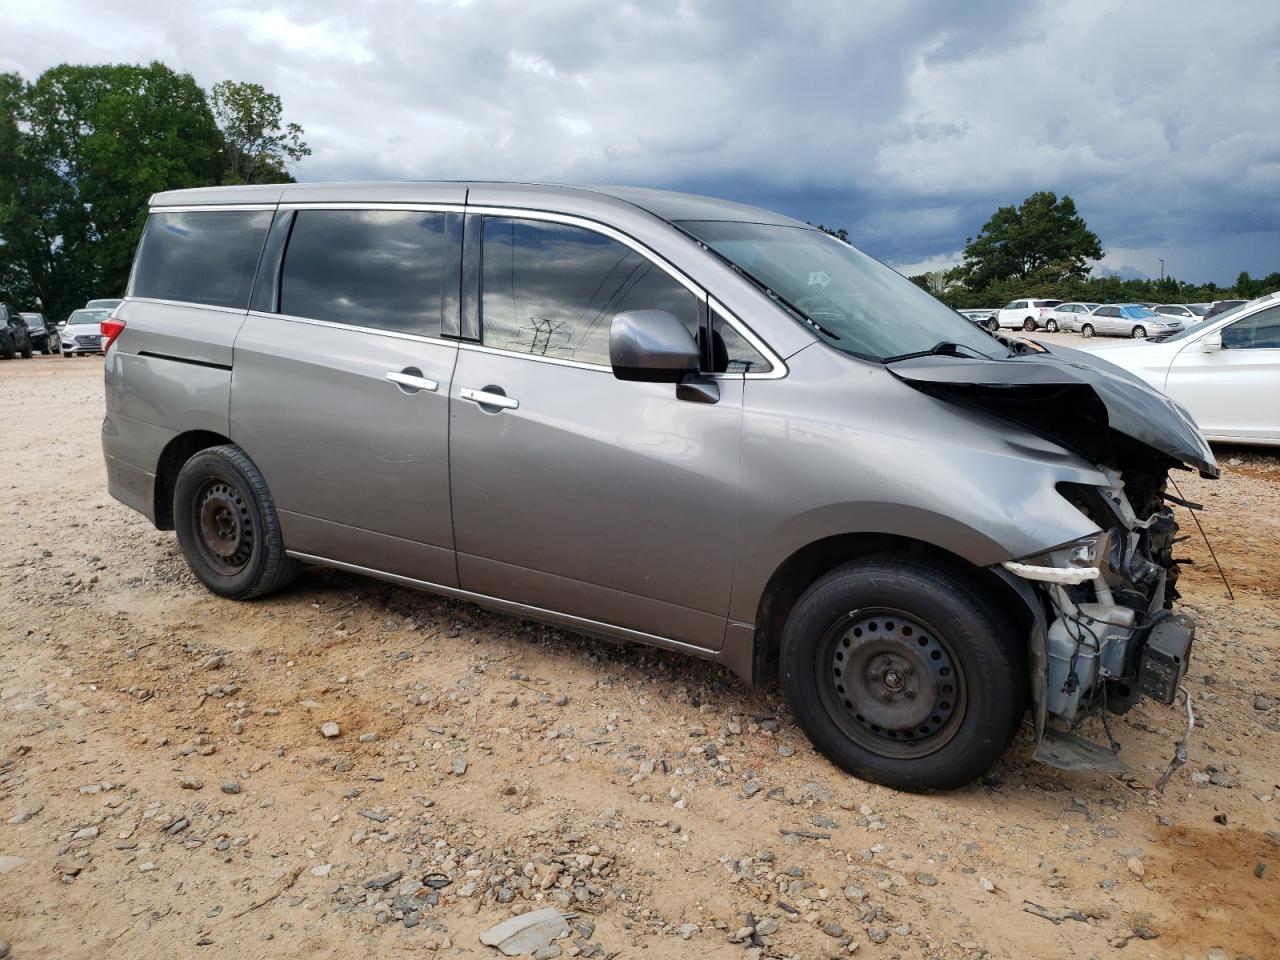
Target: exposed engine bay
1109,635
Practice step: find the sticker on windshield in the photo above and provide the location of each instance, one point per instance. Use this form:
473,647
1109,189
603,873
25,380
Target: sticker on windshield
818,278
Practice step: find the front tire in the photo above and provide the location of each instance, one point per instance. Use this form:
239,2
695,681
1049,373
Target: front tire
1052,326
1086,330
1139,333
993,325
227,525
903,673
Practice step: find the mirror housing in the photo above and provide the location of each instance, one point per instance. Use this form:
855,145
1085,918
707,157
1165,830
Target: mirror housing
1212,343
652,346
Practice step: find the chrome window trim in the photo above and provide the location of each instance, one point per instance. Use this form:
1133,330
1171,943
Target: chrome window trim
354,328
779,368
209,207
389,205
557,361
238,311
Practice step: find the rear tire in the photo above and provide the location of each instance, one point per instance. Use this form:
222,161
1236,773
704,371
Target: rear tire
901,672
227,525
1029,325
1086,330
993,325
26,352
1139,333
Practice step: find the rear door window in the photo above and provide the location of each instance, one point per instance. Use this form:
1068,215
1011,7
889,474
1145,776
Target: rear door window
552,289
380,269
200,256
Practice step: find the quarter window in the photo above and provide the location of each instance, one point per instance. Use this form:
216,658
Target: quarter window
200,256
383,269
730,351
552,289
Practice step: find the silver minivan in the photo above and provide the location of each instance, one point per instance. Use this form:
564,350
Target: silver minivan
657,417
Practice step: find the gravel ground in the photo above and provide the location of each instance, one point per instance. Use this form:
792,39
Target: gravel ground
168,781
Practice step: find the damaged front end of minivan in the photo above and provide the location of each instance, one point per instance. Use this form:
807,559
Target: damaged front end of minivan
1105,632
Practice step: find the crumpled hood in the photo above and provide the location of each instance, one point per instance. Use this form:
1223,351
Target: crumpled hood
1060,392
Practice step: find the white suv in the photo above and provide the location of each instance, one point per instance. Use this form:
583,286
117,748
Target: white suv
1029,315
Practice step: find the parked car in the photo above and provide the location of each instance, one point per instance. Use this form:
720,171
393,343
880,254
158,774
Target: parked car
1188,313
43,333
82,332
103,304
15,338
1222,306
984,318
1225,371
1127,320
1067,316
1028,315
661,418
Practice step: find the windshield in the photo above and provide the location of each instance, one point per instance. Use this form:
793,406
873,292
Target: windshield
34,320
1138,313
88,316
854,302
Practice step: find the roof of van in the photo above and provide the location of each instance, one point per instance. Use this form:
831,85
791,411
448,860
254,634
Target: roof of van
665,204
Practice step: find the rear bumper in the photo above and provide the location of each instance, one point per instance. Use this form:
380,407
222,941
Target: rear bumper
132,486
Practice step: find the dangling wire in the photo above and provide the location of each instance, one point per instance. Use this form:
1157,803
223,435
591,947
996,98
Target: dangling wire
1188,504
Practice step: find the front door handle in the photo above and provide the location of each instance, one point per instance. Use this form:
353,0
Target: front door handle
486,398
412,380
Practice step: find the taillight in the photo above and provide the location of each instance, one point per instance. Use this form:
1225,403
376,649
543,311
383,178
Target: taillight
111,328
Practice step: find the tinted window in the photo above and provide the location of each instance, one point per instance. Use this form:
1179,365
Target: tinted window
204,256
1258,332
1047,303
1108,311
730,351
369,268
552,289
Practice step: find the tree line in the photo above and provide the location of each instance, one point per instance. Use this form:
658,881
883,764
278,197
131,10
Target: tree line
1043,248
82,147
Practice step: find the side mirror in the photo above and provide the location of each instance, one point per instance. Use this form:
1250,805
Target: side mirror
652,346
1212,343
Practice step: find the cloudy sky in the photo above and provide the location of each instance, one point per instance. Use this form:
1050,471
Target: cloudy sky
907,123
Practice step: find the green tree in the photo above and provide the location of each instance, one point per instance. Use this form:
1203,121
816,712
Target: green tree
257,149
94,142
1044,240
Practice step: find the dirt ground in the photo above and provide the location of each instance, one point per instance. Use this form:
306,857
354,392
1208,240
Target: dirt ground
166,791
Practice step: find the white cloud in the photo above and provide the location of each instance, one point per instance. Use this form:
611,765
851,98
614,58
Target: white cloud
905,122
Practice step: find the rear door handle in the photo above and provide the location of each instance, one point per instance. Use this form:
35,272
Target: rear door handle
487,399
412,381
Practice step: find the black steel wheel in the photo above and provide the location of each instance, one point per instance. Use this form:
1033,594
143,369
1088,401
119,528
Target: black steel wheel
227,525
893,683
904,671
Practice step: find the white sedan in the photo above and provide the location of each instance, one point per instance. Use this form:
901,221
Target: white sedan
1225,371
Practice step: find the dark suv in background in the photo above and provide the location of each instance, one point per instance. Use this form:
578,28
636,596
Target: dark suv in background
43,333
14,336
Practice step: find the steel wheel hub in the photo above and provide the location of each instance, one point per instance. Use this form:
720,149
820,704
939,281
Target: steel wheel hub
893,682
226,527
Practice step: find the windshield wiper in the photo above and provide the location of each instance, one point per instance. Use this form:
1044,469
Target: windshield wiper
943,348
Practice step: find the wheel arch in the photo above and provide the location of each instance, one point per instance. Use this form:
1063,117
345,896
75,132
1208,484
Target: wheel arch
176,453
805,565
